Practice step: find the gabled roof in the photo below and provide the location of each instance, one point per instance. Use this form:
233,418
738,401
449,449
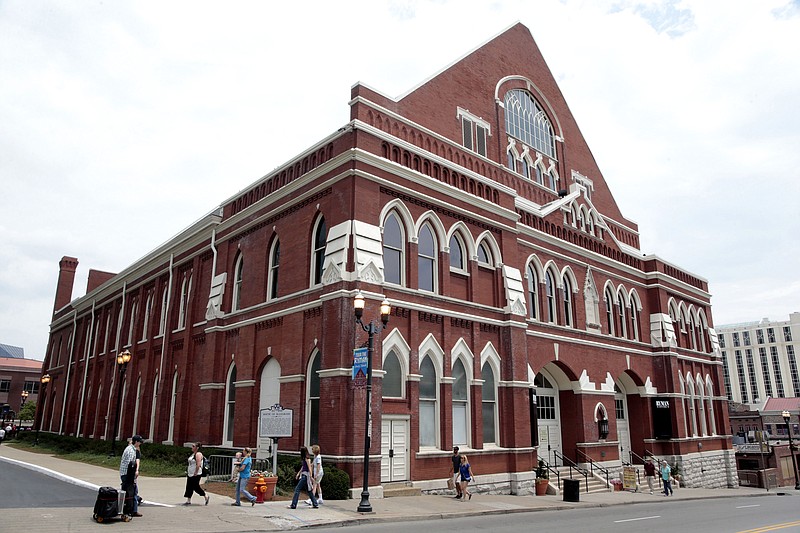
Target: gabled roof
12,351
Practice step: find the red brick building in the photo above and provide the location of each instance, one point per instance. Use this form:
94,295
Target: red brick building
525,321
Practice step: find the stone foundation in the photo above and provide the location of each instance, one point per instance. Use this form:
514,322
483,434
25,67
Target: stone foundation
707,470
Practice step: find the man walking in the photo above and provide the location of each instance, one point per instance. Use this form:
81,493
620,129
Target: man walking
129,472
650,473
456,458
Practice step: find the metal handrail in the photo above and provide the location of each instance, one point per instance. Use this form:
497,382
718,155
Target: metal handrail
593,465
566,461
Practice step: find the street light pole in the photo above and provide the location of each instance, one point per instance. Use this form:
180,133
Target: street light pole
786,416
40,405
122,362
24,397
358,307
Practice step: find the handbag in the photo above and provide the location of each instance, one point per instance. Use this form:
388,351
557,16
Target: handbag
451,484
206,467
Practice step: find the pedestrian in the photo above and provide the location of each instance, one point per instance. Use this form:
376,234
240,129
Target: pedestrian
650,473
316,472
194,475
465,472
665,477
304,480
129,473
244,478
456,459
237,461
2,434
10,433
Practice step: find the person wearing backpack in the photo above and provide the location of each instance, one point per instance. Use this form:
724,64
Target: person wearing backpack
194,474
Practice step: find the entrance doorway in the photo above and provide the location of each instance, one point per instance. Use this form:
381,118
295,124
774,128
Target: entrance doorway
394,449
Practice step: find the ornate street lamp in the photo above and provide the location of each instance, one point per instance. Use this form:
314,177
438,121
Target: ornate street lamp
40,405
358,308
786,416
24,398
122,362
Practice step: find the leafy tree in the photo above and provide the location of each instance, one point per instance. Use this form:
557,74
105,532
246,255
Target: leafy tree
28,411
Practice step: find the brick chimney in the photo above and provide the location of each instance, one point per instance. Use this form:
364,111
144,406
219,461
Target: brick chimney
66,279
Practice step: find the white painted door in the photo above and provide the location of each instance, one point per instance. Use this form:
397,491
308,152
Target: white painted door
549,416
394,450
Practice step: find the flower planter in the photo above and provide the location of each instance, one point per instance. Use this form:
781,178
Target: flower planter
541,486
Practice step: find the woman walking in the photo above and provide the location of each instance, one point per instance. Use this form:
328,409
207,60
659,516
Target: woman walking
244,478
304,480
194,475
317,473
465,471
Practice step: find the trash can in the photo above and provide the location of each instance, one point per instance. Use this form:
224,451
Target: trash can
572,490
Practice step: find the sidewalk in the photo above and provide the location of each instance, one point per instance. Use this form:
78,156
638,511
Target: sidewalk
162,510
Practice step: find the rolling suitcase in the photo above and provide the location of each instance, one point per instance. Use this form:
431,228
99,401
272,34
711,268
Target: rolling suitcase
109,505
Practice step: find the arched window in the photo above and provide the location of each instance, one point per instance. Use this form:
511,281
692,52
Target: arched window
634,330
533,293
692,413
460,407
237,283
610,310
489,406
313,398
701,412
526,168
230,405
186,289
512,161
393,376
456,253
148,309
132,325
527,121
623,322
274,268
484,255
567,303
162,324
393,250
427,403
550,294
318,253
426,259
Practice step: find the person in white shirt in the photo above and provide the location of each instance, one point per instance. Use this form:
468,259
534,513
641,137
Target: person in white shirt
316,472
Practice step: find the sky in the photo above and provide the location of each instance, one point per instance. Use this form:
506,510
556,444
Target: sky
121,123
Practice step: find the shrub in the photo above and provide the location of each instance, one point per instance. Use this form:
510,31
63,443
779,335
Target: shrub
335,484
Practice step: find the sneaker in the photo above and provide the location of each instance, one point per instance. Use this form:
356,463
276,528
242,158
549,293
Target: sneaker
458,496
236,504
207,498
319,501
307,502
186,503
470,496
291,507
315,507
137,514
252,502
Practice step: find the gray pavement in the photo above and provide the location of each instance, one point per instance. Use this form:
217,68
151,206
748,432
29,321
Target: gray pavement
162,510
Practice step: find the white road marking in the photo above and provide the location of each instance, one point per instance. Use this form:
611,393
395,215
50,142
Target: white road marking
635,519
746,506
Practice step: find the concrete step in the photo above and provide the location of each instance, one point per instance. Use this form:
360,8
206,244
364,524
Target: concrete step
395,490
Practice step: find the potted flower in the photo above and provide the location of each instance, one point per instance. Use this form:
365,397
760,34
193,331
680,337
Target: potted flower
542,479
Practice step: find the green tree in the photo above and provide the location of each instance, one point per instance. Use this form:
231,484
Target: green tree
28,411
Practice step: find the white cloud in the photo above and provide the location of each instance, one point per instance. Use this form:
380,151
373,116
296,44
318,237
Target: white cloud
124,122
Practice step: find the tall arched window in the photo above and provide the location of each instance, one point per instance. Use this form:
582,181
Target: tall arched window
313,398
610,310
692,413
274,269
634,329
230,405
623,322
183,310
426,259
148,309
393,250
318,253
173,400
533,293
527,121
162,323
456,253
132,325
489,406
427,403
237,283
392,377
460,410
550,294
567,302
